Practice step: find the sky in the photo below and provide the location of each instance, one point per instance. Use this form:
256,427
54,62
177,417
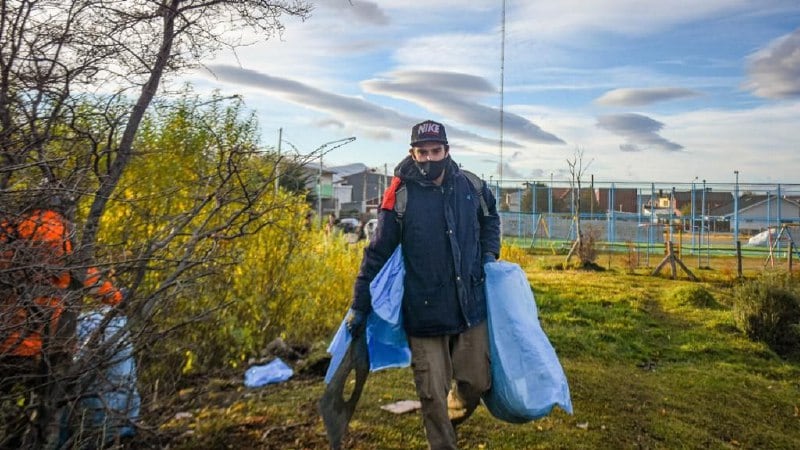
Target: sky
646,90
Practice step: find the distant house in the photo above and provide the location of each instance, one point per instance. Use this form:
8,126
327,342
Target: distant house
676,204
661,207
366,186
319,183
520,199
343,195
510,199
757,212
624,200
713,200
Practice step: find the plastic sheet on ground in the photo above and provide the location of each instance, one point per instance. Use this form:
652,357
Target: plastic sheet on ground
402,406
276,371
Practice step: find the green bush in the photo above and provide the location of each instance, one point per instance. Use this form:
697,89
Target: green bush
225,262
694,295
767,309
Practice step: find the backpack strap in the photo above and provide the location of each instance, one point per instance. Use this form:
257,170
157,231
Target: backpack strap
477,184
401,200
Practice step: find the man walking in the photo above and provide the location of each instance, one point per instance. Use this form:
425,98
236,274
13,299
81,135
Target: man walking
447,222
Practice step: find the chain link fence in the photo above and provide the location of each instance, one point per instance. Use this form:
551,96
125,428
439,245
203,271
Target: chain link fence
701,219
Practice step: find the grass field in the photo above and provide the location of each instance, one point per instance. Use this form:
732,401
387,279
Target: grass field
646,367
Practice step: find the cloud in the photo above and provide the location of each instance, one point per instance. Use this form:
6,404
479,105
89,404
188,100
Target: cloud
625,17
330,123
476,53
563,62
304,94
632,148
640,132
455,95
643,96
362,11
370,12
353,112
537,173
509,172
774,71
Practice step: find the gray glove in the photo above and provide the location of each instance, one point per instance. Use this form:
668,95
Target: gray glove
356,322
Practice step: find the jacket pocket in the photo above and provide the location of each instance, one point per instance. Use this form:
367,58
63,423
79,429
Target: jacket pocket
426,308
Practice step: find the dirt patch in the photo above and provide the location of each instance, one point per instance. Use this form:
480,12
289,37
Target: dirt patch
220,413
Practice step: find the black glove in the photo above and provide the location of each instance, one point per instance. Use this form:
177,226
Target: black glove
489,257
356,322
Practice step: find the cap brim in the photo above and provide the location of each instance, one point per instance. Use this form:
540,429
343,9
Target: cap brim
428,140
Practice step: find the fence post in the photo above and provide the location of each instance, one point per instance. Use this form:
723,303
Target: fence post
791,249
739,258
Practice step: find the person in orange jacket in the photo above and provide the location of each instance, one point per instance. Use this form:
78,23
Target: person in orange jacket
34,280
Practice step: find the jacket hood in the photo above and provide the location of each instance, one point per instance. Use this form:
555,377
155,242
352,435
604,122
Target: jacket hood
407,171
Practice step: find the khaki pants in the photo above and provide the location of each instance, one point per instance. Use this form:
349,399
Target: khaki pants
451,373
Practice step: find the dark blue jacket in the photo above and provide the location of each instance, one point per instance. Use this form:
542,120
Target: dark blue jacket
444,233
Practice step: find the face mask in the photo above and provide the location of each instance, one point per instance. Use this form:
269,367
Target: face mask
431,170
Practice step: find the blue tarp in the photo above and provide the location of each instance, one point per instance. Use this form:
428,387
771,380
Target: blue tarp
527,378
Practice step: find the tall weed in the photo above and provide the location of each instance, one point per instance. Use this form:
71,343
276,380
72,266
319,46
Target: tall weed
516,254
587,251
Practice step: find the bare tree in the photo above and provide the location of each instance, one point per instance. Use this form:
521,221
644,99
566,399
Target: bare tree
576,171
76,79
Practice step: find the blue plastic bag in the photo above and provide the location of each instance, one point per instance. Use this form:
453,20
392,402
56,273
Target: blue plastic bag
275,371
386,289
387,344
386,339
113,401
527,378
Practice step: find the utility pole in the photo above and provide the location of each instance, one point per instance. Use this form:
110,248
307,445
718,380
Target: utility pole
364,192
703,232
736,208
591,200
278,163
322,149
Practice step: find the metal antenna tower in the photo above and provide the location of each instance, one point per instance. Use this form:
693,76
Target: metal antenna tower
502,86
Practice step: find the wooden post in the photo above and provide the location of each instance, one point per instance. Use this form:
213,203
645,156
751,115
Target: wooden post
673,261
739,258
664,261
671,252
791,249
